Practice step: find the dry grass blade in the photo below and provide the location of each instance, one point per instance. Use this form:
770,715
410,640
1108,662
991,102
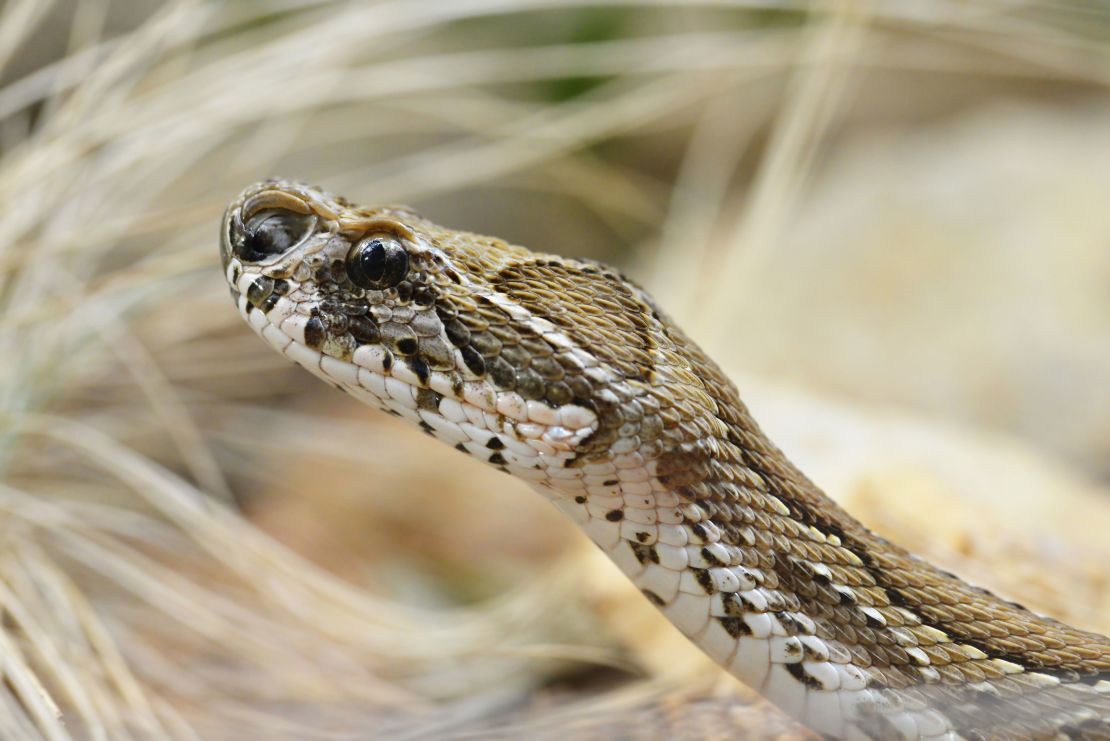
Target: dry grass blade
136,416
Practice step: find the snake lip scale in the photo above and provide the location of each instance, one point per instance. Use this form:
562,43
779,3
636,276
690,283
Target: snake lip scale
565,374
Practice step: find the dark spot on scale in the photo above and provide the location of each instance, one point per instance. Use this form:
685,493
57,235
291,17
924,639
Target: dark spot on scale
270,302
407,346
363,330
456,332
580,499
473,361
654,598
644,553
746,602
427,428
610,482
643,537
420,368
799,673
734,626
457,387
614,515
461,448
495,443
709,556
453,276
502,373
404,292
497,459
281,286
530,385
387,361
788,622
260,289
394,412
705,580
872,622
428,400
314,332
847,598
732,605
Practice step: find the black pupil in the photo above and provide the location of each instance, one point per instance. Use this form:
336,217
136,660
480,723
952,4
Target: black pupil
272,232
372,261
378,263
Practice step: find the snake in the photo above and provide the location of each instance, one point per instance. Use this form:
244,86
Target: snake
568,376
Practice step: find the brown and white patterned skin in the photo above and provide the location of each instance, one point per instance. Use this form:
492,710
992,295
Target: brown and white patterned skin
564,374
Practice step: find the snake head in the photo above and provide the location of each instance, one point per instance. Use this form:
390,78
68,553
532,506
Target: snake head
411,318
309,268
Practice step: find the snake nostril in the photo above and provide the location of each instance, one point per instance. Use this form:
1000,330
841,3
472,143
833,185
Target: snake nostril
269,232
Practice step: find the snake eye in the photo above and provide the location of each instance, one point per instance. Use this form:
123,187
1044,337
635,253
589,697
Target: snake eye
378,263
271,231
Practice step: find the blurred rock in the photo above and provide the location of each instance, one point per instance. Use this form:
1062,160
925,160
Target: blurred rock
959,267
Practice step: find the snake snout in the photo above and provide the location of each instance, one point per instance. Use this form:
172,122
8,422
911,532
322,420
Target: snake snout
267,227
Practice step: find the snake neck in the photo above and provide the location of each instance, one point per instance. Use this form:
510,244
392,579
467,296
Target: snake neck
840,628
776,583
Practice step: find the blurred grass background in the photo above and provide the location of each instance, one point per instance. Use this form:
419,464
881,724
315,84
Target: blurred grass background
887,219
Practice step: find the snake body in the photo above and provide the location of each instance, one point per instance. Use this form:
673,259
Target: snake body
565,374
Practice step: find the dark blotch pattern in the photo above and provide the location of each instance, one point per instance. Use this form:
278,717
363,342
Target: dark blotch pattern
644,553
314,332
734,626
428,400
260,290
